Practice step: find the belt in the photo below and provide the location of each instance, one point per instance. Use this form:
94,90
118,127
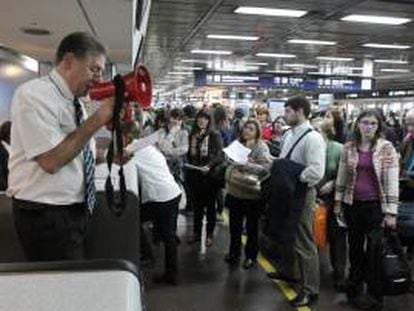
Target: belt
24,204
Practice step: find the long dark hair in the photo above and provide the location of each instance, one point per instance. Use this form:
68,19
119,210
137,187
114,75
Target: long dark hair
201,114
368,113
338,122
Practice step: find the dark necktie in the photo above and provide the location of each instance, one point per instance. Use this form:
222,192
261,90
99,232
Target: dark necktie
88,164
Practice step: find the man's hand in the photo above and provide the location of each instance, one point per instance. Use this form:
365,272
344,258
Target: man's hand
105,110
327,188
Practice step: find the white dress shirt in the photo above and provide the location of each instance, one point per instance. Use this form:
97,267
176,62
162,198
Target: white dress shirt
310,151
42,115
155,179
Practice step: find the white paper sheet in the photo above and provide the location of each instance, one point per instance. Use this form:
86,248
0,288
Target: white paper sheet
237,152
195,167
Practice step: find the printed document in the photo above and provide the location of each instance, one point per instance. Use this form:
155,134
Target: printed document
237,152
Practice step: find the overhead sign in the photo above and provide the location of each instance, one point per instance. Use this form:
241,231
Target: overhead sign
268,80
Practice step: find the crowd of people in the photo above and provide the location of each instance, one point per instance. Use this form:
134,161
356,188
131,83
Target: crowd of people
349,165
353,166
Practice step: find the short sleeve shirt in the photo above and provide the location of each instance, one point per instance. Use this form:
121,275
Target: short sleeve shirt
43,115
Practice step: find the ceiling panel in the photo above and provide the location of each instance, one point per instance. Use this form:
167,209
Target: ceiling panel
172,21
111,19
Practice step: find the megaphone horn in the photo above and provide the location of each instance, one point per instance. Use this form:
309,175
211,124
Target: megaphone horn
138,87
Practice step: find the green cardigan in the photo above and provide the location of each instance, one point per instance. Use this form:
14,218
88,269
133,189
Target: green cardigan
333,156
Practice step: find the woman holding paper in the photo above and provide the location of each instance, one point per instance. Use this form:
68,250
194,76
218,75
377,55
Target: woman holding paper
243,204
205,152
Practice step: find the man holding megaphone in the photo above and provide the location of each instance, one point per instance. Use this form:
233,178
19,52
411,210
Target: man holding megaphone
52,160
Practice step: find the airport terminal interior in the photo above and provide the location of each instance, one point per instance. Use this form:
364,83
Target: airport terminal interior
195,155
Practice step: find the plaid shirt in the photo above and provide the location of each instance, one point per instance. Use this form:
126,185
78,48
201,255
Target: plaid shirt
385,160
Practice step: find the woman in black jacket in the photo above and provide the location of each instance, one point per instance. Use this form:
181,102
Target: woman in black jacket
205,151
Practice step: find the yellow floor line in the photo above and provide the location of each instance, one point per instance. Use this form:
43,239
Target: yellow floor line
286,290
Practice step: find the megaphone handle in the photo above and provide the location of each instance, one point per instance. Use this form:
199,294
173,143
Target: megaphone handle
119,101
117,148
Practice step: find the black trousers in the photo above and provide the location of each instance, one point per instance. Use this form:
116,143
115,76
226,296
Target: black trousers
241,210
164,216
220,201
203,196
50,232
364,222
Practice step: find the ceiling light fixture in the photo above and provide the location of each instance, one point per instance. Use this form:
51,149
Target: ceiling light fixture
317,73
279,71
35,31
314,42
269,11
394,70
180,73
238,68
276,55
255,64
187,68
386,46
375,19
231,37
214,52
201,61
300,66
391,61
12,71
30,63
335,59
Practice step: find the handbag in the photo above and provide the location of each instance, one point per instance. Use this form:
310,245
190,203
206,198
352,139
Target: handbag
320,224
246,180
396,274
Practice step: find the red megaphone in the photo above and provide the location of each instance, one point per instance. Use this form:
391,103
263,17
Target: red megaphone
138,87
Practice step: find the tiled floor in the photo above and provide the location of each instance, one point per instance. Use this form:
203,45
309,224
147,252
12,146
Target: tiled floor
206,283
